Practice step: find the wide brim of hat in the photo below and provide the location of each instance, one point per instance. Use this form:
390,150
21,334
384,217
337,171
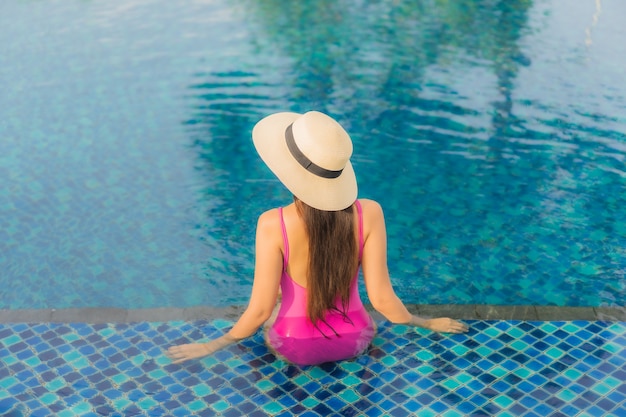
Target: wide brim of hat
325,194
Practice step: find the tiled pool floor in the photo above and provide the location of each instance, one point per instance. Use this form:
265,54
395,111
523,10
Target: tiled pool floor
500,368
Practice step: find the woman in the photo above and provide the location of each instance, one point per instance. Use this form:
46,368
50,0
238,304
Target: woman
311,250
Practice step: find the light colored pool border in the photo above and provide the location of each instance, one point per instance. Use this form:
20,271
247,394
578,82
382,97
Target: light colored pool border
463,312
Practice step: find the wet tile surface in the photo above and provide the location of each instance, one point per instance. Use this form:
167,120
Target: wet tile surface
503,368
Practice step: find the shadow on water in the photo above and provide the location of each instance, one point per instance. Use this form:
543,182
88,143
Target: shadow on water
480,197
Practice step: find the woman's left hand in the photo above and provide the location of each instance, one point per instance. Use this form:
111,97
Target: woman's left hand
446,325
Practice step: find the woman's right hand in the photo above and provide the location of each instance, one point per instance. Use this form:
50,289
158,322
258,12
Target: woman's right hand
182,353
446,325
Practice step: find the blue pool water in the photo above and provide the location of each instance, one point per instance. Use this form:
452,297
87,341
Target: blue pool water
494,137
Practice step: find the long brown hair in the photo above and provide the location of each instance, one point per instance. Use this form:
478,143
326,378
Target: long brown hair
333,259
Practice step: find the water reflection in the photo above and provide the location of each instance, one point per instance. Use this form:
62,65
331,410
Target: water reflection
485,191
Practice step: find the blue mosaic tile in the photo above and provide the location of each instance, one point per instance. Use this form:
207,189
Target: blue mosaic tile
500,368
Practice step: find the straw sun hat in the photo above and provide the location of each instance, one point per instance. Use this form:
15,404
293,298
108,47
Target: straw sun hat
310,154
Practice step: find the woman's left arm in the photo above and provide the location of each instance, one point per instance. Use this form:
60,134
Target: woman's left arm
267,273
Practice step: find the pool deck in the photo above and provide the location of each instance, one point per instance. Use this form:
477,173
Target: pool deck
461,312
515,361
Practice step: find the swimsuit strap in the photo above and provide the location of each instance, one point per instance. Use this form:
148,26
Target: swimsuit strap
360,214
285,240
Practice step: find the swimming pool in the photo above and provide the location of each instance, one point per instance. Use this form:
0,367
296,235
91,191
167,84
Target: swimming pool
493,134
495,138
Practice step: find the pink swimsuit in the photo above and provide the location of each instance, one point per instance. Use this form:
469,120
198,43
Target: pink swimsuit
294,336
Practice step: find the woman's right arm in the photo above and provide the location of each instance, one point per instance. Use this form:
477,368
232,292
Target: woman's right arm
267,273
377,281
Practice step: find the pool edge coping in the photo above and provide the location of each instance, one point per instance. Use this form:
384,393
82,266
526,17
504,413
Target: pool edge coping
99,315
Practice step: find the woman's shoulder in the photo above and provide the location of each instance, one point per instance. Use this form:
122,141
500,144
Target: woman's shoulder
268,227
271,218
370,207
373,217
